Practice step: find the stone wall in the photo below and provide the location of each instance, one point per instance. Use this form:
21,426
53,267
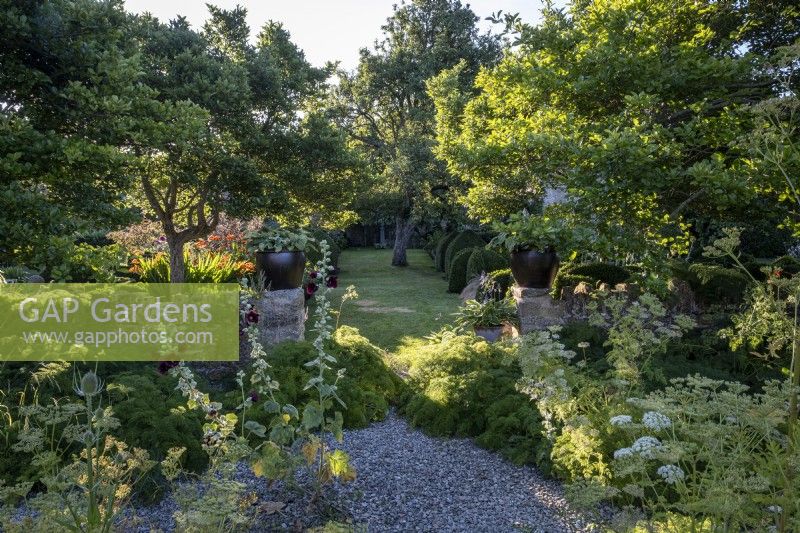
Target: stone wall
537,309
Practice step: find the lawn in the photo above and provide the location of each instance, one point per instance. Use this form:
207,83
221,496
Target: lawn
395,304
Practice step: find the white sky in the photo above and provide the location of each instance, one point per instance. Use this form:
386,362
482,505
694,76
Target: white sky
326,30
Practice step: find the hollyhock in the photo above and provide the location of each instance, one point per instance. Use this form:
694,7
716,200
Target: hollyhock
332,282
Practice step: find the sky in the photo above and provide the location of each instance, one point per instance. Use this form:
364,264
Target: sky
326,30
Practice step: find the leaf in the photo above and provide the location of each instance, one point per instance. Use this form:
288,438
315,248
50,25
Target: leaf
312,416
272,407
256,428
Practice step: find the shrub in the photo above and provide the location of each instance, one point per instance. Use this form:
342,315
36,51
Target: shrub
464,387
714,284
441,248
483,261
496,285
464,240
312,252
432,241
367,388
62,260
153,416
458,270
203,267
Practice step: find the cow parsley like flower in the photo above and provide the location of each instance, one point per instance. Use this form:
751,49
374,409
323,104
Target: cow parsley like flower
656,421
623,452
621,420
671,473
646,446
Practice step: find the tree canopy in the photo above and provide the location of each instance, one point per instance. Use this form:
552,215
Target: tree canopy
641,110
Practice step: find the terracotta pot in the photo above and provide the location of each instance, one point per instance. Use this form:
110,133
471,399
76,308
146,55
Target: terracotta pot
533,269
281,270
490,333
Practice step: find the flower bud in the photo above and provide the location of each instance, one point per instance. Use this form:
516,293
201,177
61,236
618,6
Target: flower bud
90,384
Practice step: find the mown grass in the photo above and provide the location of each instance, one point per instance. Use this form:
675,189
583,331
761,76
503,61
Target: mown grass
396,305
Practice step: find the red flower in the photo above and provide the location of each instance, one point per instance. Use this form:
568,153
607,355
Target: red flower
332,282
252,316
164,366
311,288
313,274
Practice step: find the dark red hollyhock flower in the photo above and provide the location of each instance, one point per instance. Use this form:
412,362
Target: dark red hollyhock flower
313,274
253,396
251,316
164,366
332,282
311,288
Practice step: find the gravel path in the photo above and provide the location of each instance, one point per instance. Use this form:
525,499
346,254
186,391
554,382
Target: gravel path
407,481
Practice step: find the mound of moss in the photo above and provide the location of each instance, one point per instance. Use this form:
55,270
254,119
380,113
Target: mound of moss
441,248
458,270
367,387
463,387
485,261
464,240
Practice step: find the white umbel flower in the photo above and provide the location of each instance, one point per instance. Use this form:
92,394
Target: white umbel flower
645,446
656,421
671,473
620,420
623,452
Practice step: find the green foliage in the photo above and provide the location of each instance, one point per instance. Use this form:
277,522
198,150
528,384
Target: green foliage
524,231
153,417
201,267
715,284
591,273
475,314
645,126
313,253
466,387
441,249
274,239
431,241
457,278
464,240
483,261
390,116
61,260
496,285
367,389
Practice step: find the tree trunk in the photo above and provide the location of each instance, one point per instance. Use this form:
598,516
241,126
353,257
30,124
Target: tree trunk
177,268
403,229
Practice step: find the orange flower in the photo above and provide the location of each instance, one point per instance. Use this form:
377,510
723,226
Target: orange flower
247,267
214,238
230,236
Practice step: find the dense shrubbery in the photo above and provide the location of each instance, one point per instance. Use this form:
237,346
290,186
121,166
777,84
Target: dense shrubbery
441,249
457,277
483,261
466,387
367,389
464,240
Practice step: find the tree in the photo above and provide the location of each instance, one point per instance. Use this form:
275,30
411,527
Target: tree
233,129
388,114
638,109
70,94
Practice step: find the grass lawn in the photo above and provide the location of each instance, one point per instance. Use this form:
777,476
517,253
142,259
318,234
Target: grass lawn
395,305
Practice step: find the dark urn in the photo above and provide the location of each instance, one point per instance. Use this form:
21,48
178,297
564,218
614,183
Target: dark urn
533,269
281,270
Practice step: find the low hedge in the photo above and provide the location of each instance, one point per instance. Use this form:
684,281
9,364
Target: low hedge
458,270
484,261
441,248
465,239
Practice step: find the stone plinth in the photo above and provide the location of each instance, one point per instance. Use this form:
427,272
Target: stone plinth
282,316
537,309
